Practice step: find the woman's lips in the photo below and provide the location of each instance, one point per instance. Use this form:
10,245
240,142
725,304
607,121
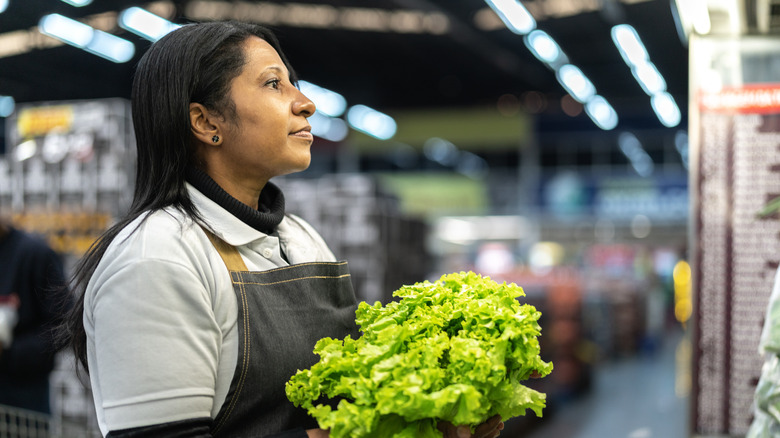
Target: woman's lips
304,134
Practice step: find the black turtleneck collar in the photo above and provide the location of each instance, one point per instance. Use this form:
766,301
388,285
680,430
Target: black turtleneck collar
270,205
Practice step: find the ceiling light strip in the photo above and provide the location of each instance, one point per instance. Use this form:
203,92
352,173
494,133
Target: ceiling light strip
514,15
635,55
545,49
77,3
327,102
639,158
87,38
145,24
371,122
517,19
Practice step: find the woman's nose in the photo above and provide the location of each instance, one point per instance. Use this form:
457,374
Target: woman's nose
304,106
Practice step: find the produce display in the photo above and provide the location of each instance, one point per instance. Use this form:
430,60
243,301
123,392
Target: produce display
454,350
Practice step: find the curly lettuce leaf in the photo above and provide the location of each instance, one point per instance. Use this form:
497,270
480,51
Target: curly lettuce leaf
454,350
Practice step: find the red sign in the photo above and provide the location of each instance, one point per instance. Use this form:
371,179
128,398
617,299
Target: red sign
747,99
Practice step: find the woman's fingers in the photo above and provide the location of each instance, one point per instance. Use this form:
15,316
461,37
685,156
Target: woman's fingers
448,429
317,433
490,428
463,432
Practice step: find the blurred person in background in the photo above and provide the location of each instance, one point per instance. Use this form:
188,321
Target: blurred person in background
655,307
196,307
31,295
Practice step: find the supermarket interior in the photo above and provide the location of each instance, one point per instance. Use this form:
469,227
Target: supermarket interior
617,159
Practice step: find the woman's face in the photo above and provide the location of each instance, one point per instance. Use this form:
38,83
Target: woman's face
270,135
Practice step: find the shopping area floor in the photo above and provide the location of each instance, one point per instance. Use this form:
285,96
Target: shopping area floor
643,396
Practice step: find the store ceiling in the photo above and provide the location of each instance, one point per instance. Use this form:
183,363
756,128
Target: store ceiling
391,71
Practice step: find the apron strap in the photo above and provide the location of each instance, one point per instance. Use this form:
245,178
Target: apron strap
228,252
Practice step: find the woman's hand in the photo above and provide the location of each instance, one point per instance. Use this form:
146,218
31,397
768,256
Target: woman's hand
489,429
317,433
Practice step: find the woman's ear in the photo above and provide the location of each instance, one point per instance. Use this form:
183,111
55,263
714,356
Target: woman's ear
202,125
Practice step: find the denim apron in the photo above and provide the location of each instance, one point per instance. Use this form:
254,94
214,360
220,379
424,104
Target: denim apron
282,313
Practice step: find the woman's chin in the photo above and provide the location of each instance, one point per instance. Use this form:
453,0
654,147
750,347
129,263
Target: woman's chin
300,167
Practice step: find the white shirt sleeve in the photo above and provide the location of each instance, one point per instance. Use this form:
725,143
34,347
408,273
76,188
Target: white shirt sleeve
155,346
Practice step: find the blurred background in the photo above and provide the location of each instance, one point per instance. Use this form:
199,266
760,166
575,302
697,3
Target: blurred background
556,144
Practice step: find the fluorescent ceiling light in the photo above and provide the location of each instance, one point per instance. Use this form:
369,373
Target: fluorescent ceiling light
514,15
65,29
371,122
471,165
630,146
328,128
634,53
681,144
7,105
145,24
576,83
441,151
649,78
25,150
639,158
328,102
629,45
77,3
544,47
456,230
110,47
85,37
3,5
666,109
601,112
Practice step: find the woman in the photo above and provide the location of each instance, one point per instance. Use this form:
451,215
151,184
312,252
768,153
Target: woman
202,302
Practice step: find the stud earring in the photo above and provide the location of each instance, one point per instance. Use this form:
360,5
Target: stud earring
215,138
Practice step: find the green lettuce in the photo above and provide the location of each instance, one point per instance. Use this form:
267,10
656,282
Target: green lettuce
455,350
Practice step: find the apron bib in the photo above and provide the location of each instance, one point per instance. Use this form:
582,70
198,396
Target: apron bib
282,313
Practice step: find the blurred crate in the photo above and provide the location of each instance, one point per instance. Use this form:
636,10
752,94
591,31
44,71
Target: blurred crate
21,423
73,412
558,295
72,406
363,225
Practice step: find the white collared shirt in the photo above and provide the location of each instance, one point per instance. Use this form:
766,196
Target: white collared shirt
160,312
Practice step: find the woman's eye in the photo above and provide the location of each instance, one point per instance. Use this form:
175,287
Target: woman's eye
274,83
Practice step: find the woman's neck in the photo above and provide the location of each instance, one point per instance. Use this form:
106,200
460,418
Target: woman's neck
247,193
265,215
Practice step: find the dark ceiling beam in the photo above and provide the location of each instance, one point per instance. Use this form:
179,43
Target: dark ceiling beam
483,47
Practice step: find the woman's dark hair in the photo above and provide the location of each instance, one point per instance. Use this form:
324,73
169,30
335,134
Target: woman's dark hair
195,63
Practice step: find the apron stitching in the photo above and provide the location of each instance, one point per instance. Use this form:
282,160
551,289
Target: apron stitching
298,264
245,359
295,279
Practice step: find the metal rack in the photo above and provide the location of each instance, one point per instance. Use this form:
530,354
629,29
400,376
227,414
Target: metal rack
21,423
